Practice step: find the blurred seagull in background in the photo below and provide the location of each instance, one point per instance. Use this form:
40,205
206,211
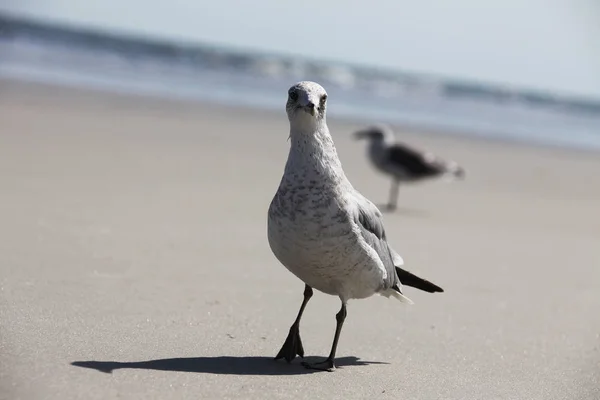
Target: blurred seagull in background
402,162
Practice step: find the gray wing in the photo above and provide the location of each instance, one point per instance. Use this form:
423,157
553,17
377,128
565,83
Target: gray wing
369,219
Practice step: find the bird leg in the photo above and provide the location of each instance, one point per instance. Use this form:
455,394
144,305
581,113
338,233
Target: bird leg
293,344
329,364
394,189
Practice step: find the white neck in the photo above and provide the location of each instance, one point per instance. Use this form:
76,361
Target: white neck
313,152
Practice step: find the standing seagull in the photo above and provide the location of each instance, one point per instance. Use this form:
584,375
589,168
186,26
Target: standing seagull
403,163
323,230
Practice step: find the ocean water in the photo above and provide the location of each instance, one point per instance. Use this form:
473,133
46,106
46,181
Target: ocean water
37,52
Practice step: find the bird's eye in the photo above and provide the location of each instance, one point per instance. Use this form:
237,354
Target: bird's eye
293,95
323,98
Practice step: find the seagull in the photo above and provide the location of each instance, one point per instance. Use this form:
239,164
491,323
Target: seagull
403,163
323,230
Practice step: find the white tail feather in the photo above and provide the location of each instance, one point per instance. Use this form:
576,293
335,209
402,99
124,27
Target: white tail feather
397,295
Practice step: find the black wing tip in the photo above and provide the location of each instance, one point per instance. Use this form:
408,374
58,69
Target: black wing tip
437,289
434,288
409,279
429,287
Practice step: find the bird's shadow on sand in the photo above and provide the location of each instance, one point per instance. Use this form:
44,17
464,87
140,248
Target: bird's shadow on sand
219,365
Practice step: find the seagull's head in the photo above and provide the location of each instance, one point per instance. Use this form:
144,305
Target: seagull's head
376,133
306,104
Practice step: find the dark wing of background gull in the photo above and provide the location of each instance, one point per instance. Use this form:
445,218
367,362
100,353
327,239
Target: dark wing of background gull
369,219
416,163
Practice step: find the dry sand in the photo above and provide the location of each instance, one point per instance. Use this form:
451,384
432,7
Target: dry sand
133,245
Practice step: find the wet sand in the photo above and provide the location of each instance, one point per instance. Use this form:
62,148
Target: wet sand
134,262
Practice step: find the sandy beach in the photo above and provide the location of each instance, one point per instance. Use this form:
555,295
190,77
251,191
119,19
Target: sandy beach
134,262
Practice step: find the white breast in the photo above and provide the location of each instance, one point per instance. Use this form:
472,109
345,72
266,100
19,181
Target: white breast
324,249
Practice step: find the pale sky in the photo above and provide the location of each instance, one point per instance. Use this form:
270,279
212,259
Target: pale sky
547,44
